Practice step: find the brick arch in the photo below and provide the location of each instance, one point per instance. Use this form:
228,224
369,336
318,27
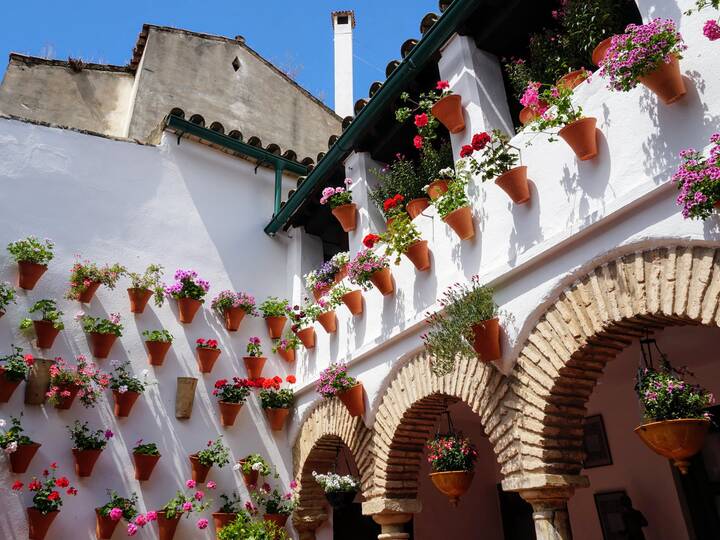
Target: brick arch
589,324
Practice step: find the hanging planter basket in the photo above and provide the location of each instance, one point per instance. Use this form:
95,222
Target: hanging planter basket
167,526
677,440
206,358
515,183
100,344
340,499
277,418
229,412
20,459
354,400
199,471
87,295
46,334
7,386
85,461
487,340
453,484
417,206
275,326
581,136
104,526
187,309
139,299
39,523
29,273
461,221
666,81
346,214
307,336
419,255
354,302
144,466
436,189
598,54
383,281
449,111
254,366
157,351
124,402
328,321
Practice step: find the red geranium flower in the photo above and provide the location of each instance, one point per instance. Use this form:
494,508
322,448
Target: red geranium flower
421,120
291,379
53,465
277,380
442,85
200,341
34,485
480,140
466,151
17,485
418,142
72,491
54,496
370,240
220,383
29,360
62,482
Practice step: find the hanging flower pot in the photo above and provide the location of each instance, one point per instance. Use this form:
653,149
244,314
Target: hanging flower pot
598,54
487,340
221,520
46,334
437,188
319,292
340,499
250,478
87,295
573,79
515,183
187,309
383,281
101,344
307,336
287,354
157,350
275,326
144,466
341,274
419,255
85,461
450,112
461,221
39,523
199,471
185,397
328,320
277,418
29,274
354,400
206,358
20,459
677,440
415,207
228,412
139,299
354,302
527,115
254,366
38,382
7,386
167,526
233,317
104,526
278,519
66,396
453,484
666,81
582,137
346,214
124,402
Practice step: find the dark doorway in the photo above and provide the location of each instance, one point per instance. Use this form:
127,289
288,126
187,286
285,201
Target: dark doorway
350,524
517,516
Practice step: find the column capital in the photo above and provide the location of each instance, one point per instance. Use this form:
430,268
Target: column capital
391,506
307,520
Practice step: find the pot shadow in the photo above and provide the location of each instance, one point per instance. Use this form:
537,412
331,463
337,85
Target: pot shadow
526,230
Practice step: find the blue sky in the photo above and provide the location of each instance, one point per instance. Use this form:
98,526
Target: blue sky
296,35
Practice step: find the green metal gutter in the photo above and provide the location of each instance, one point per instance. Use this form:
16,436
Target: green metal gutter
264,157
435,38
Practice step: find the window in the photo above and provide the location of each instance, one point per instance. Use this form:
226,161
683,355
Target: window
236,64
343,19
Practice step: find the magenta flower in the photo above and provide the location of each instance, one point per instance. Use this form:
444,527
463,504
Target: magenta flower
115,514
202,523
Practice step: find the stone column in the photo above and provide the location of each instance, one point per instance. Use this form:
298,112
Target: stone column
357,167
392,515
392,526
550,512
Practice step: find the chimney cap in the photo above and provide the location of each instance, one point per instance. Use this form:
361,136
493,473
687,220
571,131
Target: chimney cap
344,13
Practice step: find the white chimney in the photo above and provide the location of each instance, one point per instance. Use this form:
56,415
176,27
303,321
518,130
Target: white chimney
343,24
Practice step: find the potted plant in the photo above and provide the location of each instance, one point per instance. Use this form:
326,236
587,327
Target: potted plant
231,508
109,515
403,238
327,317
277,401
126,388
189,291
146,285
335,381
339,262
452,461
439,103
46,502
466,326
287,346
15,369
215,453
274,311
320,281
498,160
698,180
48,326
233,307
340,490
145,457
432,169
158,343
231,396
648,54
453,206
440,184
251,468
352,299
207,354
102,332
32,256
393,207
369,268
675,414
87,446
86,277
342,207
398,179
302,319
18,446
254,361
83,381
243,527
278,505
7,296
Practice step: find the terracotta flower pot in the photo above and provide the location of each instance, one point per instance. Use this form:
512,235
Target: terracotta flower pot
251,478
166,526
206,358
46,334
187,309
666,81
233,317
124,402
581,136
340,499
157,351
20,459
39,523
65,402
678,440
144,466
342,274
7,387
450,112
87,295
221,520
527,115
139,299
85,461
320,292
354,302
346,214
277,418
354,400
487,340
419,255
461,221
275,326
287,354
383,281
38,382
254,366
29,274
417,206
101,344
328,320
598,54
104,526
573,79
199,471
185,397
437,188
515,183
307,336
229,412
279,519
453,484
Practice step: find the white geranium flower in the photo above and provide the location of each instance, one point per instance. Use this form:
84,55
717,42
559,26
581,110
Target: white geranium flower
236,467
2,422
257,466
123,389
10,448
145,372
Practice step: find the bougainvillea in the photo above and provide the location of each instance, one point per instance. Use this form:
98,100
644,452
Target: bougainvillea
698,180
